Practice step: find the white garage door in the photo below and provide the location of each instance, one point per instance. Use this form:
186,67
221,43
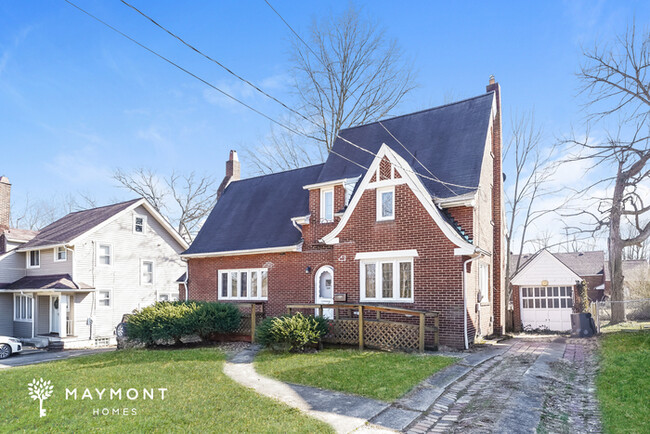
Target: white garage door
547,307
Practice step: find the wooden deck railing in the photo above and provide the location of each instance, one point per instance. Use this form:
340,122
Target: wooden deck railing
377,332
249,320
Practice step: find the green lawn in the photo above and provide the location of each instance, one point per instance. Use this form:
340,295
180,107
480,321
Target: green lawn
379,375
199,397
624,382
630,325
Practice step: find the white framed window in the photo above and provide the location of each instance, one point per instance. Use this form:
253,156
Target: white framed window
146,272
386,203
23,306
167,297
387,279
34,259
244,284
327,205
104,254
484,282
60,254
104,298
547,297
139,224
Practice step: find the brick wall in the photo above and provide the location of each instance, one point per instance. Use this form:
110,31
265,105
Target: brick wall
5,203
498,211
437,272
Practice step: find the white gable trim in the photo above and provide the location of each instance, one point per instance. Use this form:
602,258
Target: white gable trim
561,274
464,248
150,209
282,249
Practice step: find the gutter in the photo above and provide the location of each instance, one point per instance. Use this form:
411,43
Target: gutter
478,253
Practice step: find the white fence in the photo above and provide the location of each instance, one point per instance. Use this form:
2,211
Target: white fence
637,315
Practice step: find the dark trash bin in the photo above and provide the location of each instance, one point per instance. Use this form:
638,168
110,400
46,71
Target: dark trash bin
582,325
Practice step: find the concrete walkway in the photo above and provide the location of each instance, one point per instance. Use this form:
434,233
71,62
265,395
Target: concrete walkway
346,413
34,356
522,385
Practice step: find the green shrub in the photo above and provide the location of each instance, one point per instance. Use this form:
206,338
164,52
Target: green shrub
210,318
292,333
171,320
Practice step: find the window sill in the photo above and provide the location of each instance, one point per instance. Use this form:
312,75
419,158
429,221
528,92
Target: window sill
22,320
243,299
383,300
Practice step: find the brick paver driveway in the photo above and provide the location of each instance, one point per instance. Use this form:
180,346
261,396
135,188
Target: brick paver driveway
527,385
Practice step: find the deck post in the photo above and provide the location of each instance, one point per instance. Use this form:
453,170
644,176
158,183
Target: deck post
422,332
360,327
436,336
320,310
289,310
253,319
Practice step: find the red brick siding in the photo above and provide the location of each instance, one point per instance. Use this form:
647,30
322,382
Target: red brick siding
464,215
384,169
437,272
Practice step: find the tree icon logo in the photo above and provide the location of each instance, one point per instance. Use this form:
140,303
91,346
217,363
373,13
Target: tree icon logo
40,390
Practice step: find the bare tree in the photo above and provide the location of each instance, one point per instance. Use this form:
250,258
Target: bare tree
184,200
282,152
615,80
349,74
637,251
533,169
35,215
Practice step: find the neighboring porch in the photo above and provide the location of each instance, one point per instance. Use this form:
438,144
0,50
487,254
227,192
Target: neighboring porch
45,309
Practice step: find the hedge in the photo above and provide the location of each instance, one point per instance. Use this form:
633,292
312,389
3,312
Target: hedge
291,333
171,320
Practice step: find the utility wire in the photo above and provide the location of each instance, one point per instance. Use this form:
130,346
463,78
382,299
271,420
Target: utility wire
217,62
185,70
414,157
295,33
291,129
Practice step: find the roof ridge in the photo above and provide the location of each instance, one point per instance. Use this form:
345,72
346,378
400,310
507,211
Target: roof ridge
419,111
278,173
100,207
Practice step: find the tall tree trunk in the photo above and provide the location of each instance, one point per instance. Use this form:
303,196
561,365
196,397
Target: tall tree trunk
615,244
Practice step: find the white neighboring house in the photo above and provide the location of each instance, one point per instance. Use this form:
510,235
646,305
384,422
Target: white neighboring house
76,278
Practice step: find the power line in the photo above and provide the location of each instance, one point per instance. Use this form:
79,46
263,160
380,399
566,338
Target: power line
236,99
295,33
413,156
217,62
185,70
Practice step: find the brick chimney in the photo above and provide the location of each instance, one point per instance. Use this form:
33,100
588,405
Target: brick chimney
233,172
498,217
5,202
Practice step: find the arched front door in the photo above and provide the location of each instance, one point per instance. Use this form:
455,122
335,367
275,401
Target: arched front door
325,289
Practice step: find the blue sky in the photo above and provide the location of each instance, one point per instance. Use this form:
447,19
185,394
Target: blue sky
78,101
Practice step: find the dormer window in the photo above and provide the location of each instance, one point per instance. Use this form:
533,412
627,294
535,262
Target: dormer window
327,205
386,203
139,224
34,259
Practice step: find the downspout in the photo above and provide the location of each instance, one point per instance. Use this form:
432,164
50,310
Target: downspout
187,278
472,259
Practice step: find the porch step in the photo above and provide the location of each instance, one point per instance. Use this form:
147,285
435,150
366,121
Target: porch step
55,346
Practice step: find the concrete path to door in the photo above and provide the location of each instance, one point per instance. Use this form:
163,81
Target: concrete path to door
522,385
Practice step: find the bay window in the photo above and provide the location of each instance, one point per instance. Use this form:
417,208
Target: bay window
243,284
23,305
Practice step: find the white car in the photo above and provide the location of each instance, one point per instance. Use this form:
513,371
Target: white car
8,346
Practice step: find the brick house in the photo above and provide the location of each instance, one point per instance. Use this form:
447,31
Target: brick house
544,288
406,212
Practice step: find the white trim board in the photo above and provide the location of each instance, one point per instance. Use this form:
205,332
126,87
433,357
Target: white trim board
416,186
283,249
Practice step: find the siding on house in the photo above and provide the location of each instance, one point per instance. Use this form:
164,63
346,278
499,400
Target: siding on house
48,266
123,277
12,267
6,319
42,325
22,329
83,307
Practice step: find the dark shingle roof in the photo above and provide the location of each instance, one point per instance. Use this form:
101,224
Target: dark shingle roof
256,213
74,224
55,281
581,263
448,140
